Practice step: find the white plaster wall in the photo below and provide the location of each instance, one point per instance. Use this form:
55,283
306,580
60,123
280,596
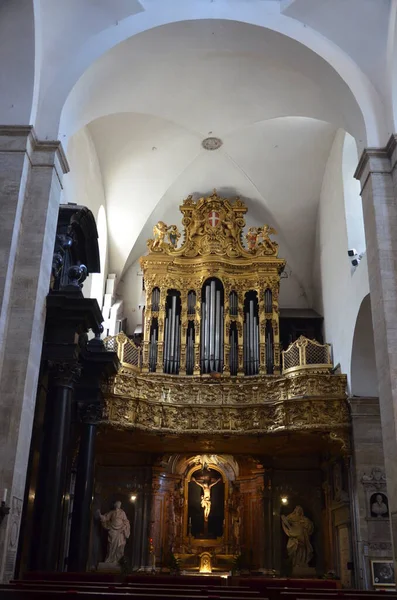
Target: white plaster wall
352,189
364,378
83,184
338,292
17,59
130,290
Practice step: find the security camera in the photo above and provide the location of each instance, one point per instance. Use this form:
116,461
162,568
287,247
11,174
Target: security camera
352,252
355,262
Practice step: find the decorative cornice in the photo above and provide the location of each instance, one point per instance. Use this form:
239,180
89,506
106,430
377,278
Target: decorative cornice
381,153
42,153
15,130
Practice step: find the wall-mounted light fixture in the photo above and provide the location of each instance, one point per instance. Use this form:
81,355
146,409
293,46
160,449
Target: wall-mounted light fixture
132,497
284,500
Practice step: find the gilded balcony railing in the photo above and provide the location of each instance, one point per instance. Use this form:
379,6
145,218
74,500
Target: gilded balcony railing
305,354
128,353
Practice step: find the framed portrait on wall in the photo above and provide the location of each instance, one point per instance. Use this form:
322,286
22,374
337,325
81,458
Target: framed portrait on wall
382,573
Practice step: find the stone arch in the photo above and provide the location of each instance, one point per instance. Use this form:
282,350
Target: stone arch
364,380
72,66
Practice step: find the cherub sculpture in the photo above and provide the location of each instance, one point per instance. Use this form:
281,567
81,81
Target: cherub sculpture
159,232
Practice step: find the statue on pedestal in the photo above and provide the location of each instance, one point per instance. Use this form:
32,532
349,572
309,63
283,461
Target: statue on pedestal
298,528
118,526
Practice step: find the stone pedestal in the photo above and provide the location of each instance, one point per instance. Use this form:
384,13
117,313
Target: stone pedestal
30,185
105,567
304,572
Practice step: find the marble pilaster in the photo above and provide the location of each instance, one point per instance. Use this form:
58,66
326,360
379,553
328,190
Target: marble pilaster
30,185
376,172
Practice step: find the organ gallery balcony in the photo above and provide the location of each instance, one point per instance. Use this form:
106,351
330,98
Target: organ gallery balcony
307,397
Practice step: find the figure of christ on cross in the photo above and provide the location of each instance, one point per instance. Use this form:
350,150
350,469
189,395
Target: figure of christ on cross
206,485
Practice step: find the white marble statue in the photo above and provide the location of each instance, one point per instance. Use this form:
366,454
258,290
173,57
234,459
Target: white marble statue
298,528
118,527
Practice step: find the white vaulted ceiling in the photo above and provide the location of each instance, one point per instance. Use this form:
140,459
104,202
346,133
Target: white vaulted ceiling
149,102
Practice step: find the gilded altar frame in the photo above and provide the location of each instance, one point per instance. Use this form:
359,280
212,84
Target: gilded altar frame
205,542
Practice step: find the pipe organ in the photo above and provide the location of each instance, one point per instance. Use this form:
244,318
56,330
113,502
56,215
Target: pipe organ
212,301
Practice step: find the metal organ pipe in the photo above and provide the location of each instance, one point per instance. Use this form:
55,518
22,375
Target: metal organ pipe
153,346
212,326
212,315
207,330
233,349
251,335
190,350
217,329
221,346
172,333
173,315
269,348
175,366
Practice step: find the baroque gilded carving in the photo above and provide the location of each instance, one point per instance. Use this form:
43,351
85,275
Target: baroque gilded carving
196,390
213,225
314,414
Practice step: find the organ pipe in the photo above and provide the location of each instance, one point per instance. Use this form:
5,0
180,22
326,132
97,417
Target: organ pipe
233,358
155,299
172,333
191,303
153,346
212,315
233,304
268,301
190,349
251,334
269,348
207,330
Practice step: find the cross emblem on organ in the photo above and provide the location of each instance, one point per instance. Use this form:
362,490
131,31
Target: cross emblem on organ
213,218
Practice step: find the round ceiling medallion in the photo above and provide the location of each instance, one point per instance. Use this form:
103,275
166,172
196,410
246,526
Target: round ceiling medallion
211,143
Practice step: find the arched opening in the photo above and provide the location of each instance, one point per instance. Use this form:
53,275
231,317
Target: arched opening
352,197
364,379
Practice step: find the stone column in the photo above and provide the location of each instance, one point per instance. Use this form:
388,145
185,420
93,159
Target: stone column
81,519
30,185
377,174
97,364
53,464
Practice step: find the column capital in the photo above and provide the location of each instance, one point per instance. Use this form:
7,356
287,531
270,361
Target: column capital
65,374
91,414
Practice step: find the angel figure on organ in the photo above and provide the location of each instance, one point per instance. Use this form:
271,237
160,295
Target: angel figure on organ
206,486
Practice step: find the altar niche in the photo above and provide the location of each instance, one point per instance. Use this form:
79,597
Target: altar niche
206,504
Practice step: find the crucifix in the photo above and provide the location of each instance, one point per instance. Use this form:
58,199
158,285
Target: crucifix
206,484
